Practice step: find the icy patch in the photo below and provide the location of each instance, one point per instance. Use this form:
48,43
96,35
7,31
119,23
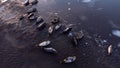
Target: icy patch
86,1
116,33
2,1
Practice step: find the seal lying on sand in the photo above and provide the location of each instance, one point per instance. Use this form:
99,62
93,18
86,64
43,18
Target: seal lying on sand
67,30
69,59
45,43
50,50
39,20
50,29
31,10
57,27
41,26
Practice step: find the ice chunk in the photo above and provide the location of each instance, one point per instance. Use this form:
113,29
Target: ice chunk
69,9
116,33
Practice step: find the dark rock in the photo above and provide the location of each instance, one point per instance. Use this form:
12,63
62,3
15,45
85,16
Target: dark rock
31,10
39,20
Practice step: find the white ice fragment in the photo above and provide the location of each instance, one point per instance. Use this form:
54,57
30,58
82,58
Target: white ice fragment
116,33
69,9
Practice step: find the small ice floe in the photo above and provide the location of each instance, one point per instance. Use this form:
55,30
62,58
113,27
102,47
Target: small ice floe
86,1
45,43
69,9
2,1
50,50
116,33
69,59
109,50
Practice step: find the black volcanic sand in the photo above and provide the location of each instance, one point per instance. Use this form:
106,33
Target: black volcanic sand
19,39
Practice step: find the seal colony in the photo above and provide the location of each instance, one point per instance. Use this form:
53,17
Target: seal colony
54,25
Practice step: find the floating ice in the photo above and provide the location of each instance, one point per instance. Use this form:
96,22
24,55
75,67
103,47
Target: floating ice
86,1
116,33
69,9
